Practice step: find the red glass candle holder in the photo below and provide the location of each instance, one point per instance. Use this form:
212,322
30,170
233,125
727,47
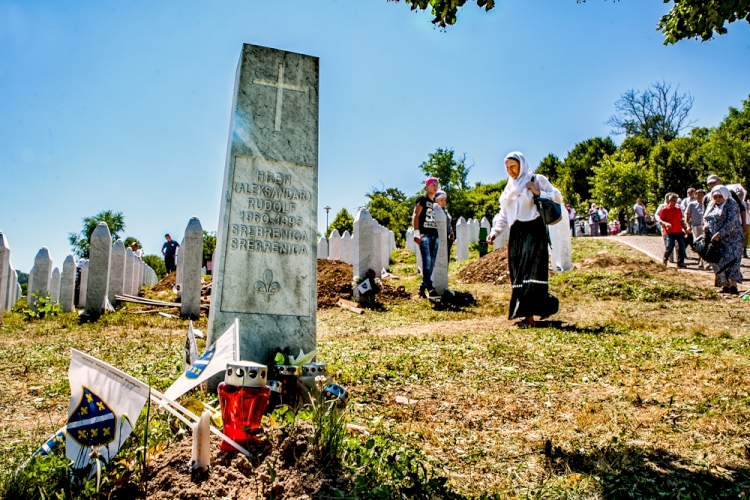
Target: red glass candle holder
243,397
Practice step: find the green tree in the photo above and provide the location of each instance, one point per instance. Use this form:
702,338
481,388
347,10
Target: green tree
578,168
130,240
483,200
620,179
550,167
445,11
639,146
656,114
676,166
342,222
392,209
701,18
451,172
209,245
80,241
156,263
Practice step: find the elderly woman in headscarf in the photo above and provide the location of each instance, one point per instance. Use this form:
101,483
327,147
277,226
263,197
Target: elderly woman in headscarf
722,224
528,253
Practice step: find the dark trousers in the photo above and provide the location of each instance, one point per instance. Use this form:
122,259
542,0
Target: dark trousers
428,249
603,229
169,263
572,227
673,238
642,225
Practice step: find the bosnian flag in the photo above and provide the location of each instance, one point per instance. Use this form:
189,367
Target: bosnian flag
225,350
105,404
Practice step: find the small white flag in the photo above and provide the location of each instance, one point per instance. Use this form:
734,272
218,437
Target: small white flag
226,349
190,355
364,287
105,404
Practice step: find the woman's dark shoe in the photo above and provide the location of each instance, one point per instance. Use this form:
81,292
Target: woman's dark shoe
725,290
733,290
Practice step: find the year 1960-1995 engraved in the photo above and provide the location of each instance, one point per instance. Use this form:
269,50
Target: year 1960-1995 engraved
266,218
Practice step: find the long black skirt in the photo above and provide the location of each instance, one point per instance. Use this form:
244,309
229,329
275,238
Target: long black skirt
528,262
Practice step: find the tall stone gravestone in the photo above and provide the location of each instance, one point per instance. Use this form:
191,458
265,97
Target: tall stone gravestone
322,248
191,258
346,247
4,273
440,271
366,243
116,271
40,278
54,285
265,275
30,286
129,268
68,284
83,283
334,245
98,279
462,239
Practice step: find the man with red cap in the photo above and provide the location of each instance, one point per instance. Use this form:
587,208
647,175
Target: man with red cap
426,236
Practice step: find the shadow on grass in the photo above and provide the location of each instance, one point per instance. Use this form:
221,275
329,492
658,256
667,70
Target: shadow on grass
454,301
625,471
591,330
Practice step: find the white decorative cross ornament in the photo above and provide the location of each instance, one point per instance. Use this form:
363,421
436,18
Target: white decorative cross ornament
280,86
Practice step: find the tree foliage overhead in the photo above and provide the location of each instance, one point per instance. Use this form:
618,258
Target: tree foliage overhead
701,18
80,241
687,18
656,114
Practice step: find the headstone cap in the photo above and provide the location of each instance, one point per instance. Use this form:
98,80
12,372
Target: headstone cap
246,374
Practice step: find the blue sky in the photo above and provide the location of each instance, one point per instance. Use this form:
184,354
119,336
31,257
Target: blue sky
125,105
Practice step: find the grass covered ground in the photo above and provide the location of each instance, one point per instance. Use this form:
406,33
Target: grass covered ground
638,388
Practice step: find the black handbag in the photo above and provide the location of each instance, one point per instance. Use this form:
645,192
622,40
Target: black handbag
550,211
708,250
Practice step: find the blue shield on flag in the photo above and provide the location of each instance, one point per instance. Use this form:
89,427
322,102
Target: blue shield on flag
92,424
196,369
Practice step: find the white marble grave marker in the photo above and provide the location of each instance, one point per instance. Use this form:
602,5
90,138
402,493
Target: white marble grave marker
462,240
68,284
4,273
41,275
98,274
334,245
265,271
191,258
117,271
129,268
83,283
367,244
346,248
322,248
440,271
54,285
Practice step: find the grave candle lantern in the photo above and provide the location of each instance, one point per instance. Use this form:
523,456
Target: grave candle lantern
243,397
336,393
311,371
288,375
275,398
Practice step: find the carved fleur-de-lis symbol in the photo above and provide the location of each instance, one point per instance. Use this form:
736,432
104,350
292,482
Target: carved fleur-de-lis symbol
267,287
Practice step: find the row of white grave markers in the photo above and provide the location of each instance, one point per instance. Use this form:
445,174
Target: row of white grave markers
369,247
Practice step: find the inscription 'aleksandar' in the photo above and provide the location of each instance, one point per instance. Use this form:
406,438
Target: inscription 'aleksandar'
268,220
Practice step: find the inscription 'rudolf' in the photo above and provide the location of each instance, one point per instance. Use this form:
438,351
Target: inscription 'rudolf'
280,87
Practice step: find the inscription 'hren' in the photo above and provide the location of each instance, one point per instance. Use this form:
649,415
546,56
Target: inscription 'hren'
268,177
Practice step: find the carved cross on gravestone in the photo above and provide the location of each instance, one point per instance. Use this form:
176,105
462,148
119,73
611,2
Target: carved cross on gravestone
280,87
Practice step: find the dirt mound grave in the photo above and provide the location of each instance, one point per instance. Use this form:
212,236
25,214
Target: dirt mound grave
166,284
605,260
334,282
491,269
284,466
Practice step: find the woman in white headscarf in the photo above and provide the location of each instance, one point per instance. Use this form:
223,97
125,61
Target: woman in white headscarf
722,224
528,252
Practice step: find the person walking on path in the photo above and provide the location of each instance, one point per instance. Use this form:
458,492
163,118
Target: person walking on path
571,218
169,251
694,217
426,236
714,180
603,221
722,222
673,224
593,220
528,243
640,216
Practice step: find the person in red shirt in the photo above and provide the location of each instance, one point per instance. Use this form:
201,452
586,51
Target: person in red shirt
673,224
